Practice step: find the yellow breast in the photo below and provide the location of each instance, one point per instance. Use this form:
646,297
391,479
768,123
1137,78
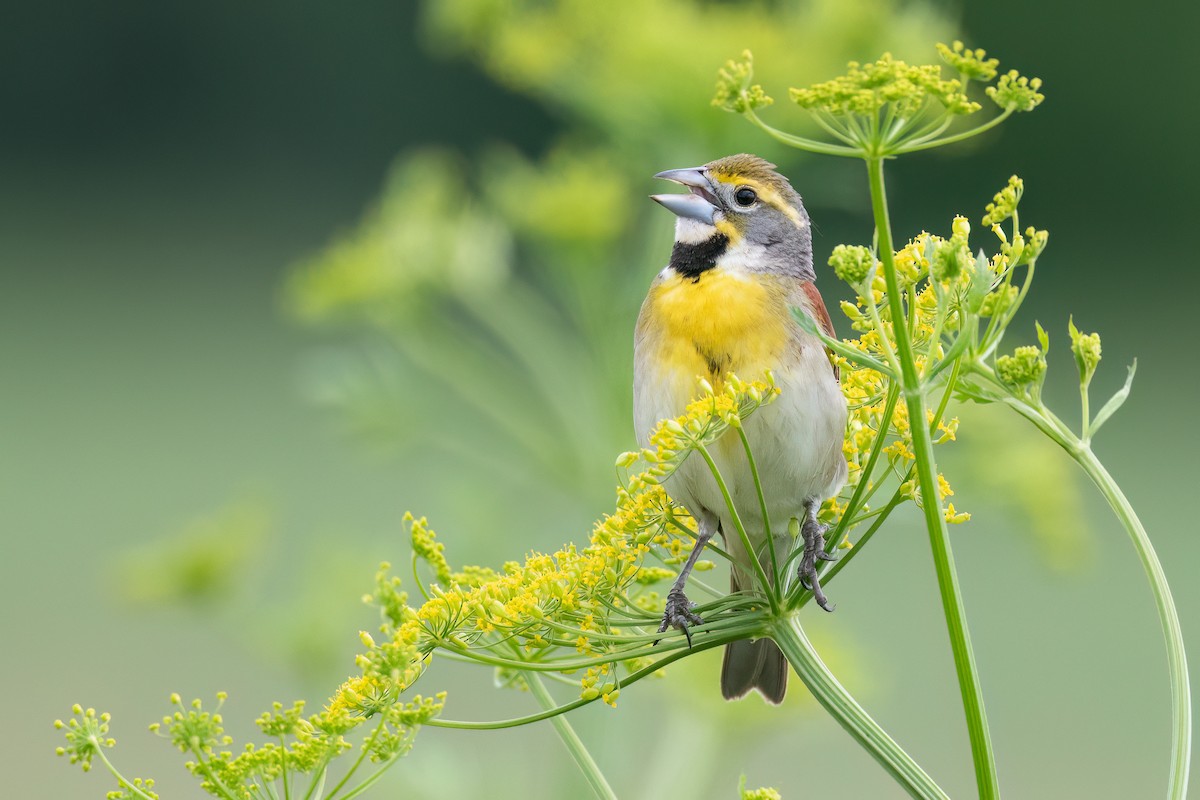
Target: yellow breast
722,322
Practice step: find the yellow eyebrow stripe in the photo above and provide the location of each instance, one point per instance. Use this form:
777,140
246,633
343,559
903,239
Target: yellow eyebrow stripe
766,193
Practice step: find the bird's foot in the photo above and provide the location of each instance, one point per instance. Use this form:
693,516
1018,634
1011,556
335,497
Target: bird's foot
678,614
814,548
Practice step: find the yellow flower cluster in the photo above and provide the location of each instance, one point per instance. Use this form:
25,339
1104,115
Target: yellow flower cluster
865,89
705,420
589,608
939,280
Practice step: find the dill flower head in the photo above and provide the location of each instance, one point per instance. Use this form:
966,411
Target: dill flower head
852,263
1026,366
1004,204
1016,92
86,733
971,64
867,88
887,106
734,91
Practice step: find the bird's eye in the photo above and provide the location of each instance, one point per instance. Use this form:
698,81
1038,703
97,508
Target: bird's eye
745,196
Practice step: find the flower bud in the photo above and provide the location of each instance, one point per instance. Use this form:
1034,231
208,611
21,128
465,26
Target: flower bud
851,263
794,528
1086,347
949,259
1024,367
627,459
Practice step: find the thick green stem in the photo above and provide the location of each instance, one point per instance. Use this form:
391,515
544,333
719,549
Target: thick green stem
1181,698
587,765
799,652
939,539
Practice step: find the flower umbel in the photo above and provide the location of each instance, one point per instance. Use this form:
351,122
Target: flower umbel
734,92
887,107
86,733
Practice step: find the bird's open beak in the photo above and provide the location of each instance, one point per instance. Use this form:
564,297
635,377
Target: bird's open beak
700,205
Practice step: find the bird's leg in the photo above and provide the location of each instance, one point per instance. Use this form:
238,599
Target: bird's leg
814,548
678,612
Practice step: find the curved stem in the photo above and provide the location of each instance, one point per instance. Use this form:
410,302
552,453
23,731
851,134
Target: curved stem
744,624
121,779
939,539
799,652
1181,732
811,145
697,646
583,759
958,137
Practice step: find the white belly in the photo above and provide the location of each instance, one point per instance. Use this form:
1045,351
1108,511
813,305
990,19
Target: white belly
796,441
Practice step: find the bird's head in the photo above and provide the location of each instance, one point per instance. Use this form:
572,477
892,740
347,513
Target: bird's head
741,213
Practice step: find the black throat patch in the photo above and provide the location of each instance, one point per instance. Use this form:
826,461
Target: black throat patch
693,259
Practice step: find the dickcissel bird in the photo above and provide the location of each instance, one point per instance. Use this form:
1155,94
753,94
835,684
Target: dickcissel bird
742,260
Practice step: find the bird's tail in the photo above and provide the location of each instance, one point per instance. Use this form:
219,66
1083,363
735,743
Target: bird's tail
753,664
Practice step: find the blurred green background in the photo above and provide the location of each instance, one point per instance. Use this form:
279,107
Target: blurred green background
235,352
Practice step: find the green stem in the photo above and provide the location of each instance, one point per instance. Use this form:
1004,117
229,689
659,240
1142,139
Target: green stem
939,539
316,786
799,596
1181,732
287,792
958,137
811,145
799,652
366,748
831,130
1085,426
699,645
220,787
775,587
587,765
370,780
864,479
121,780
751,555
744,623
897,321
679,526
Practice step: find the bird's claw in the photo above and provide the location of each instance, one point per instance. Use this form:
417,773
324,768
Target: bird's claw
814,548
678,614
